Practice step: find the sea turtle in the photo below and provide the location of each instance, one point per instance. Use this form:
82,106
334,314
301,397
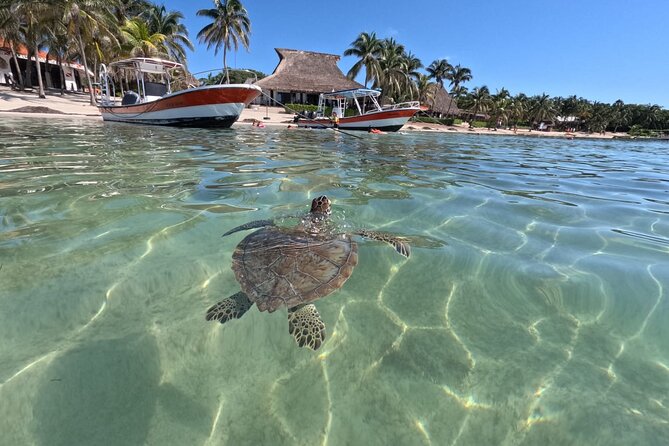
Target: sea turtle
293,267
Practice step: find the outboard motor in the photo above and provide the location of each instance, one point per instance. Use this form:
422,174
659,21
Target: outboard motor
130,98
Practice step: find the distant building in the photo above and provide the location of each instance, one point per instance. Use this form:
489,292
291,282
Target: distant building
301,76
442,103
50,72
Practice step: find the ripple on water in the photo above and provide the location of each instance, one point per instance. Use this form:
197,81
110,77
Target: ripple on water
532,309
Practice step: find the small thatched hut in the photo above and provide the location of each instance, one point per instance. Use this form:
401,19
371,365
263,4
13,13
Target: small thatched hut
444,105
301,76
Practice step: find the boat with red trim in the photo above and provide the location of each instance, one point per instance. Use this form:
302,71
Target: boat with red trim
155,103
368,113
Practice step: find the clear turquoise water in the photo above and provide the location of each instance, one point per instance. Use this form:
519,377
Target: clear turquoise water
533,309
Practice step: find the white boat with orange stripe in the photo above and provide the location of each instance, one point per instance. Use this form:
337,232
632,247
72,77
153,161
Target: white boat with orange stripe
153,102
367,113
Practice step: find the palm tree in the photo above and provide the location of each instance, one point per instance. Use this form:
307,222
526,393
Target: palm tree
457,75
541,109
59,44
517,109
425,88
621,115
392,67
10,32
501,104
397,71
127,9
651,115
32,16
438,70
479,102
83,16
176,35
230,26
139,41
458,93
367,48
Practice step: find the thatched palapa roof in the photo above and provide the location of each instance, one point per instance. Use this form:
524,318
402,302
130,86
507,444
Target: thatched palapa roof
442,102
308,72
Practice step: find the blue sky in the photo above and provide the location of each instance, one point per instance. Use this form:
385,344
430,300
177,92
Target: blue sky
602,50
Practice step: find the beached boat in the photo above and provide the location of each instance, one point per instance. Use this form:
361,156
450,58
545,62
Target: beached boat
368,113
155,103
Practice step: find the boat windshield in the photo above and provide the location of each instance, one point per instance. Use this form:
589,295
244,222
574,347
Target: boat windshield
146,65
352,94
141,79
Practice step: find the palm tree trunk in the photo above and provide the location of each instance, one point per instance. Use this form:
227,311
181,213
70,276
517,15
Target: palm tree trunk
83,59
29,72
40,91
62,75
48,82
16,63
225,67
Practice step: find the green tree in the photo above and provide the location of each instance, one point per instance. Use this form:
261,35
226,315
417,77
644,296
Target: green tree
541,109
517,109
367,48
439,71
87,17
478,102
500,106
230,26
140,41
425,89
176,35
10,32
457,75
33,17
620,115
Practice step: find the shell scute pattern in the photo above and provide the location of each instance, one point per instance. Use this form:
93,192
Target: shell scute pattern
288,267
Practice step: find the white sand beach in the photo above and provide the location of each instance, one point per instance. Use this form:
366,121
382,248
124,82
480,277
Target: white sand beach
77,104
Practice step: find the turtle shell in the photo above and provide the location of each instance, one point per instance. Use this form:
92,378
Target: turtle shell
290,267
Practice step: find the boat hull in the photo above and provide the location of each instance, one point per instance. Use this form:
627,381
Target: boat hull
387,121
210,106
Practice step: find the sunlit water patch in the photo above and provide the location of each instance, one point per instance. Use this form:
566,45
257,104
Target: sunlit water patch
533,309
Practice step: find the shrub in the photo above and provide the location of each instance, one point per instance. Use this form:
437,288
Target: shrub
300,108
433,120
637,130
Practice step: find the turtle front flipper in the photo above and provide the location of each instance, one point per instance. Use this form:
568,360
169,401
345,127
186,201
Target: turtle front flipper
250,225
400,244
232,307
306,326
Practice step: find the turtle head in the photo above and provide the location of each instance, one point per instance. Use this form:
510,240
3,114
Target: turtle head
321,205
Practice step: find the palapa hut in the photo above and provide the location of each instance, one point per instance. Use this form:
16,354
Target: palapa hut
443,104
301,76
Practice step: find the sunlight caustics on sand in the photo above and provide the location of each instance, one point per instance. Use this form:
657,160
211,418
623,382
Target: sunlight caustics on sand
532,310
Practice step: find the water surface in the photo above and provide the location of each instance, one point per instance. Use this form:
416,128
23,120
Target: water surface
533,309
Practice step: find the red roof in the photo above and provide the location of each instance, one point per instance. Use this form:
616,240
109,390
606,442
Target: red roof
22,52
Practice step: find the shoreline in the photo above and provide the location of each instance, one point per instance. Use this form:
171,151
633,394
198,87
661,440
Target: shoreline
76,105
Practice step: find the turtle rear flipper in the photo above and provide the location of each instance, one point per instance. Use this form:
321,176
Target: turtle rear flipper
306,326
398,243
250,225
232,307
